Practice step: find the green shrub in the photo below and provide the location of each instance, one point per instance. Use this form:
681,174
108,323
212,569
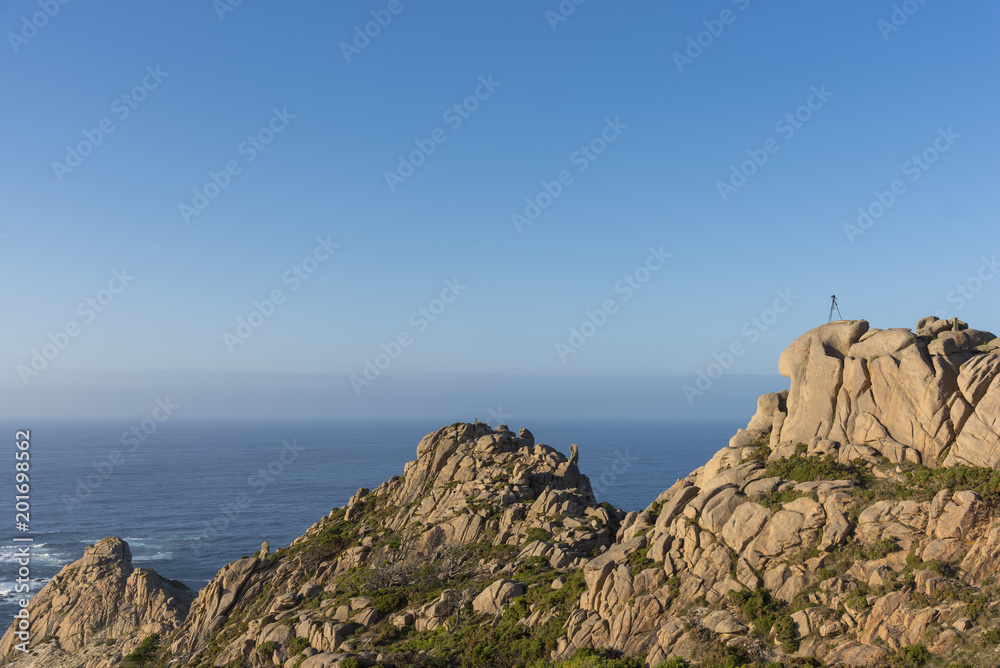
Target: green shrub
297,645
639,561
883,548
944,568
806,469
537,562
351,662
775,500
144,654
974,605
858,599
912,656
588,658
983,481
388,600
676,662
267,649
674,586
761,450
537,533
784,632
757,606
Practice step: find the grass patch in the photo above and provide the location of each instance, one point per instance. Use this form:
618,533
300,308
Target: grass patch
912,656
297,645
774,501
388,600
808,469
639,561
883,548
537,533
588,658
758,606
144,654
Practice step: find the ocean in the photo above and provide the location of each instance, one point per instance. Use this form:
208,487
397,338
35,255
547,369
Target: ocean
190,497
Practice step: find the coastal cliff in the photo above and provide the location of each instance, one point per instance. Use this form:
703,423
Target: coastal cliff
98,605
854,522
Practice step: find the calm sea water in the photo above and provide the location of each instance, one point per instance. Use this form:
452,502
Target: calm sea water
194,496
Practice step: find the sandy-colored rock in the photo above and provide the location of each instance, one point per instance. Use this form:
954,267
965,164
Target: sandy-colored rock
493,599
102,593
723,623
744,525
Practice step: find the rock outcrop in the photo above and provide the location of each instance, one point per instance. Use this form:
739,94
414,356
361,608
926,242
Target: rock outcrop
475,504
99,600
932,396
824,503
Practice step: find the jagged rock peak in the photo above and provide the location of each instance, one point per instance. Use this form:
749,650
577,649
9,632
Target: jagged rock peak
99,597
476,505
459,452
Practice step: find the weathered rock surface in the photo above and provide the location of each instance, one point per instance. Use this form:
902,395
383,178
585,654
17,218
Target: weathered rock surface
494,598
471,491
931,397
871,400
97,598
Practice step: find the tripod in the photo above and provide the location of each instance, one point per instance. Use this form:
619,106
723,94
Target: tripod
833,305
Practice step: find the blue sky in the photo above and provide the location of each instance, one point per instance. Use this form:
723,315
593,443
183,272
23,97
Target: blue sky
889,94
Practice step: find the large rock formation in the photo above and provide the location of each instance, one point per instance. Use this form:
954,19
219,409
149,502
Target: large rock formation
854,522
823,502
932,396
102,600
474,504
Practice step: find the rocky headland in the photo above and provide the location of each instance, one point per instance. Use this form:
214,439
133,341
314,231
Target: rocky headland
854,522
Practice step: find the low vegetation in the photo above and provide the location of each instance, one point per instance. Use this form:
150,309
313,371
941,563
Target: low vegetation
143,655
806,469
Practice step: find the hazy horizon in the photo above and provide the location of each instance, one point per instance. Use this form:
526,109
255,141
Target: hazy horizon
473,193
181,395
